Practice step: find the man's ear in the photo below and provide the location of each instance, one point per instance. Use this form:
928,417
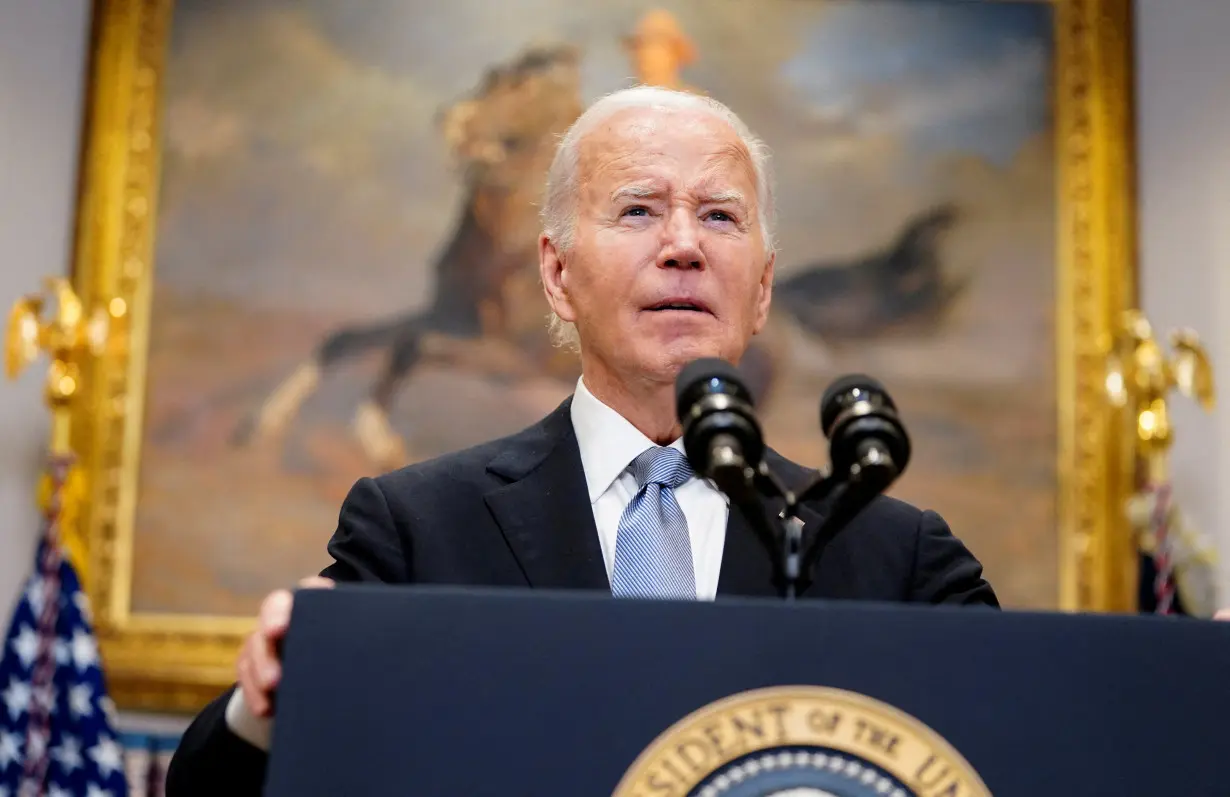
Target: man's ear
766,294
552,268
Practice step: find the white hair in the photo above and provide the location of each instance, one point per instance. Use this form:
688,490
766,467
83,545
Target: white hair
559,212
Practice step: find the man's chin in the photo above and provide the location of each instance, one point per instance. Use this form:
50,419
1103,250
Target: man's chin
661,357
675,355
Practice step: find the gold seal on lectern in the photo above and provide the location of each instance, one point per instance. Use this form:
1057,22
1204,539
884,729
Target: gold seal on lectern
800,741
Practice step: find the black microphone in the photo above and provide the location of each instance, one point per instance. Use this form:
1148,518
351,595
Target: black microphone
868,444
721,435
868,450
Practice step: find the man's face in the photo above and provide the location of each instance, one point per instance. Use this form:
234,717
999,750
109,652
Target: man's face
668,262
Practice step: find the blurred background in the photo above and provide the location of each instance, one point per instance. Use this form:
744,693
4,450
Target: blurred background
311,176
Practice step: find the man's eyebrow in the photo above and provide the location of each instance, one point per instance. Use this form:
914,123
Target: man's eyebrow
717,197
635,192
647,192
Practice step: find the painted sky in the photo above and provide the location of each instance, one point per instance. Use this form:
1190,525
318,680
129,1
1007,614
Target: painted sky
303,165
956,73
970,76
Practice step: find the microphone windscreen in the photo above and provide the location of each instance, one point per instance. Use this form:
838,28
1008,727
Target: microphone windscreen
832,402
707,375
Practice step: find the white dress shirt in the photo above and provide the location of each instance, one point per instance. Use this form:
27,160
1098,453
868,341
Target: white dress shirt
609,444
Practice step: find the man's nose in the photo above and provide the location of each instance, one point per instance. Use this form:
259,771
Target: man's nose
681,248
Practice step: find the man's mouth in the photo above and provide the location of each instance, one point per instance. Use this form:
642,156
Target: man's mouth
679,304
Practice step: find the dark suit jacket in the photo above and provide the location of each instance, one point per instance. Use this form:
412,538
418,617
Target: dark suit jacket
515,513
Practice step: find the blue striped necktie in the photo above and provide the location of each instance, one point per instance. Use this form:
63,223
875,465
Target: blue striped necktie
653,552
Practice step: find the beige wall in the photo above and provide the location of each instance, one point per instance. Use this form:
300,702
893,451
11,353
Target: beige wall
1184,66
42,46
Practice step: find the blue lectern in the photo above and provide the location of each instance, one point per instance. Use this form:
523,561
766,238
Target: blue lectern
442,692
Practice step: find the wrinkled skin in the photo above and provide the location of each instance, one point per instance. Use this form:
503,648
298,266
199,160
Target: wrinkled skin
667,215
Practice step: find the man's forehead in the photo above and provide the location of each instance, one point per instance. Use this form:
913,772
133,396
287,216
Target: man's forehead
726,179
651,131
679,162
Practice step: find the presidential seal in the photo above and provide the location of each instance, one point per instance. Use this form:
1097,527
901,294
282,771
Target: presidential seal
800,741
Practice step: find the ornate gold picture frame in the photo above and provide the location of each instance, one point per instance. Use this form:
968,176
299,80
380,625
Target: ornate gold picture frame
170,660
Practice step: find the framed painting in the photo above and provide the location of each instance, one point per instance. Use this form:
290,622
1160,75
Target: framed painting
316,228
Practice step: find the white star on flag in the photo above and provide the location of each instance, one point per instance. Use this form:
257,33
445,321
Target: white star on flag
26,646
17,698
84,649
62,653
10,749
68,754
80,700
107,756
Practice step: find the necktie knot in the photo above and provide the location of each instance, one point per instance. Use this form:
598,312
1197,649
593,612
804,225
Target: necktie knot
661,465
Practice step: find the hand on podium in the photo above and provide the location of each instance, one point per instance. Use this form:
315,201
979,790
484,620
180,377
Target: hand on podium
259,667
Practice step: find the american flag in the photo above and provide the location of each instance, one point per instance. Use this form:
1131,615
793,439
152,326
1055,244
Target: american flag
57,725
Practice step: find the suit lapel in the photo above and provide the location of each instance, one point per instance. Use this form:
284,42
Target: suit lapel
544,511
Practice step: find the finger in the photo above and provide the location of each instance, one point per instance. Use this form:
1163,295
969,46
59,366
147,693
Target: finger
272,623
275,614
317,582
266,663
254,696
1222,614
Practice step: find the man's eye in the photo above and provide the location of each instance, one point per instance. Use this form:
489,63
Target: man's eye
721,215
637,210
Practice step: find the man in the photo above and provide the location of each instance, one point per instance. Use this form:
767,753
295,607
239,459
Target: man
656,250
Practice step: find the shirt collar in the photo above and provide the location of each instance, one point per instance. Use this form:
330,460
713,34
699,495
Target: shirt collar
608,442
